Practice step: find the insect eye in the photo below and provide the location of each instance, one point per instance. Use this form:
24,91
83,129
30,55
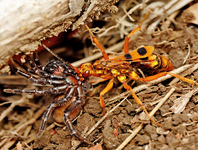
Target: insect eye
86,74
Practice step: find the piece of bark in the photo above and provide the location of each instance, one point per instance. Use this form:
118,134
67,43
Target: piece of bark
25,23
190,14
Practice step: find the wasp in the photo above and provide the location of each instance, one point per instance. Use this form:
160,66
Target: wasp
122,67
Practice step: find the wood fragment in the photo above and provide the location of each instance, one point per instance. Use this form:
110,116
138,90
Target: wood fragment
190,14
26,23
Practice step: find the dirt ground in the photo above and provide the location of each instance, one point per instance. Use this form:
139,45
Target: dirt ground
177,41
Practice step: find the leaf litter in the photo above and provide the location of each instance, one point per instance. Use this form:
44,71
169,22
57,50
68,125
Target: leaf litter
171,37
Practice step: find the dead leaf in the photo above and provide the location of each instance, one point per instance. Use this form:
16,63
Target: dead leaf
96,147
190,14
180,103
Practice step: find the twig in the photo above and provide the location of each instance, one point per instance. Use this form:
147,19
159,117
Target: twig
8,145
11,107
195,57
19,146
130,137
27,131
31,121
167,23
28,146
121,19
103,118
114,48
31,139
187,54
51,126
3,142
173,6
10,77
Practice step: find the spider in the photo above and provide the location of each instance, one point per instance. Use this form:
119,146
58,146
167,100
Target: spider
66,84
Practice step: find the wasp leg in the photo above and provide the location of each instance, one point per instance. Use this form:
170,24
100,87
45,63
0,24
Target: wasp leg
122,79
126,44
134,76
70,114
105,90
151,78
97,43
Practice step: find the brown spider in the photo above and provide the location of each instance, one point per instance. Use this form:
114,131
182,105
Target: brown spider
66,84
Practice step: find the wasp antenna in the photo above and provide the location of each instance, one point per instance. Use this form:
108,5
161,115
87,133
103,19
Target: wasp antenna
49,50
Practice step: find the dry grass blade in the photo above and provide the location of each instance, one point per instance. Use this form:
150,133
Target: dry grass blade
170,8
130,137
23,126
100,121
180,103
187,54
103,118
31,121
11,107
114,48
121,20
19,146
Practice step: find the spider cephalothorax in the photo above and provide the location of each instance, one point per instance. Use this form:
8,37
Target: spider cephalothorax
59,67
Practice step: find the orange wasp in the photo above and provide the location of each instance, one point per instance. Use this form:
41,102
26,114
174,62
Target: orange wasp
122,66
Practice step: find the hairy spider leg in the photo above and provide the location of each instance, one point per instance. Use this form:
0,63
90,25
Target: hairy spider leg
29,76
97,43
37,61
70,114
24,67
63,77
105,90
126,44
42,81
32,63
54,90
48,112
35,66
50,108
